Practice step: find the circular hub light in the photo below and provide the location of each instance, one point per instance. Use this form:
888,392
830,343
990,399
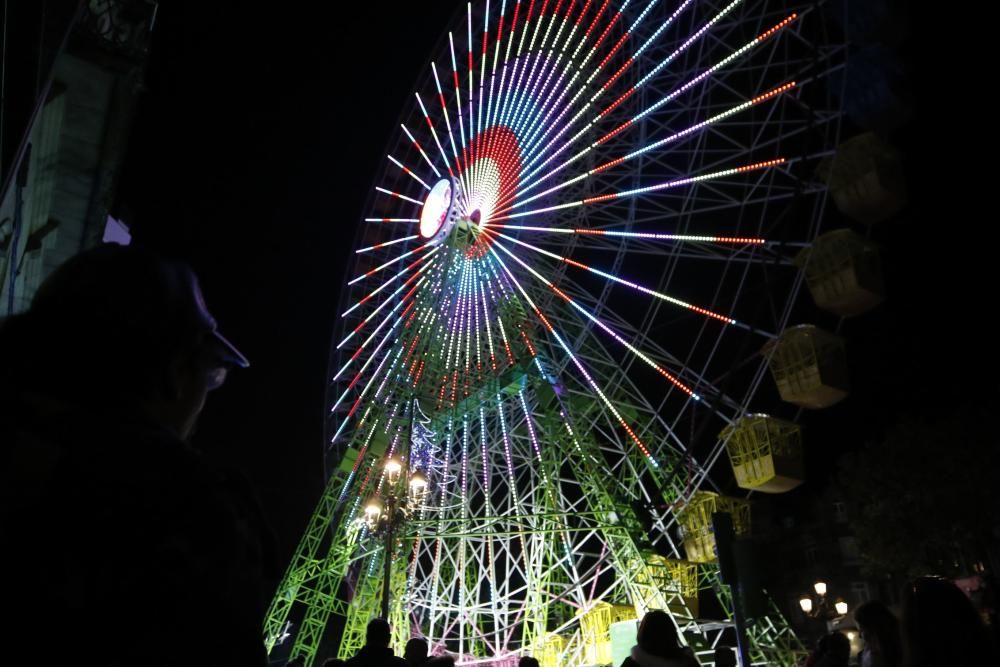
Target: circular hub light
440,211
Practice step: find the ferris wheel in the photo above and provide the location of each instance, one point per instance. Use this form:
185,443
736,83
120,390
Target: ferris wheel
581,237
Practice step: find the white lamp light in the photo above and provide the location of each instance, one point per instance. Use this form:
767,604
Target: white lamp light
373,510
820,588
418,484
806,603
392,469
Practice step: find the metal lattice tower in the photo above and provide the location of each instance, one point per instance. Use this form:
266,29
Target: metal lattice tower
581,238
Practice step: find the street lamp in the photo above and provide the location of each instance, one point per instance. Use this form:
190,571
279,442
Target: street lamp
384,514
818,605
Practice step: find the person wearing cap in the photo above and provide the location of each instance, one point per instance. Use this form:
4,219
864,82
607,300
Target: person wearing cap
117,539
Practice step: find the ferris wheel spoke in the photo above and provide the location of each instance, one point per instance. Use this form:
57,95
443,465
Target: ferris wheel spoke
388,282
644,190
708,390
632,59
604,327
492,101
364,344
465,168
533,149
657,236
447,122
534,119
378,268
530,173
732,57
513,116
477,128
642,82
687,132
437,141
384,244
488,102
576,362
531,118
458,102
423,153
622,281
673,56
397,195
357,377
411,174
519,105
382,305
475,113
532,143
392,220
549,105
516,69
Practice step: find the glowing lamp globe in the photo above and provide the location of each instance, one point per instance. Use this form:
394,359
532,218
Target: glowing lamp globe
393,467
418,484
372,513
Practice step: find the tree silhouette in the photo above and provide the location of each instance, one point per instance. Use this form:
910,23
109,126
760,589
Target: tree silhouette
924,499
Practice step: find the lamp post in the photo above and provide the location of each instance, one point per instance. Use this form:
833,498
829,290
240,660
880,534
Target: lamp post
817,604
386,512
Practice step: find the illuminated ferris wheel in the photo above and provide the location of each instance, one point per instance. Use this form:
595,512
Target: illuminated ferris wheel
581,238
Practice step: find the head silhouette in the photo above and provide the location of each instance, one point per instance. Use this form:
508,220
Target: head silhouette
415,652
658,635
942,627
378,634
880,629
119,326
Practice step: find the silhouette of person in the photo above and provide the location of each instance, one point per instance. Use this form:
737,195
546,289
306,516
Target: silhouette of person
657,644
527,661
832,650
415,652
940,626
115,531
880,632
376,651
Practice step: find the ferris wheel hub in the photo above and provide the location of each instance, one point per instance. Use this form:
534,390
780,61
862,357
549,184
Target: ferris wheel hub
442,210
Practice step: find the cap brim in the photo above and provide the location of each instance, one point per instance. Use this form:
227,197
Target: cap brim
228,351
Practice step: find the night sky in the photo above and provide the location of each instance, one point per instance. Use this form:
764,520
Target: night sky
254,150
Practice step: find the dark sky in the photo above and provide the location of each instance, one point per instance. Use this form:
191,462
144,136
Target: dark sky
254,150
